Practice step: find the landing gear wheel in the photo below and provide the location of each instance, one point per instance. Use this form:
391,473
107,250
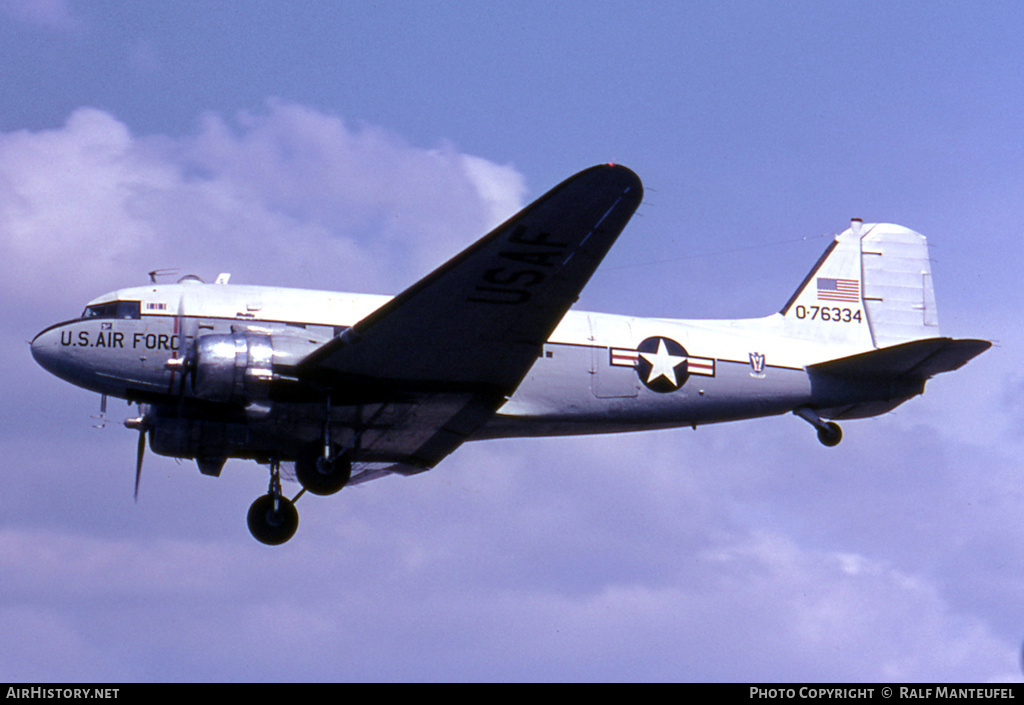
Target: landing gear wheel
320,475
830,434
273,520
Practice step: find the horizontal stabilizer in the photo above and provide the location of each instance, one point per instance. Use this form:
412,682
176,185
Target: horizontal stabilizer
918,359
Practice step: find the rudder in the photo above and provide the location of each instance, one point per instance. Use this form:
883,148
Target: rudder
898,292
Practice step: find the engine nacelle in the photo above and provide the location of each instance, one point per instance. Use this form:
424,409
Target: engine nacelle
239,367
210,443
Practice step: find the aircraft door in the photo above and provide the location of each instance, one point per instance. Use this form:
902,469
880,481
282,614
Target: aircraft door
608,381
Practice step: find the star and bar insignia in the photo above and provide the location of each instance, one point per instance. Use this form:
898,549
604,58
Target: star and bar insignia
662,364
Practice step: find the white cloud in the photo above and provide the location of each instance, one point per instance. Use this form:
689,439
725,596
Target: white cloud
754,606
64,204
819,614
287,196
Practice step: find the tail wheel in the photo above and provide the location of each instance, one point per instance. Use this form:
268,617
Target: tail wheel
830,434
273,520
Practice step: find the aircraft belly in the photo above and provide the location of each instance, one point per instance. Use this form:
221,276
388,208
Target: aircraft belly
413,431
558,400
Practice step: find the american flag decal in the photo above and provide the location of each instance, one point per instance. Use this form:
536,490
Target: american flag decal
830,289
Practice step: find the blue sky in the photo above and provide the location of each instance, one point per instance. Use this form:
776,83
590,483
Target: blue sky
354,146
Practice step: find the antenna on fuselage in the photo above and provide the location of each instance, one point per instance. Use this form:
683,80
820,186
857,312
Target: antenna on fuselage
161,273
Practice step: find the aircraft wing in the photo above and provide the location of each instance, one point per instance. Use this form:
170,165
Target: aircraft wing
461,339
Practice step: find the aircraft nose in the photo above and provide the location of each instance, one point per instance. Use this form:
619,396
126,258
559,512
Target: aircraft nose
80,355
46,349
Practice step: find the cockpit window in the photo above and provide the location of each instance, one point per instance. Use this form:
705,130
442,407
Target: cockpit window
113,309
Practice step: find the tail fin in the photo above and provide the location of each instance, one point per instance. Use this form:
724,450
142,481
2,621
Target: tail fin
871,289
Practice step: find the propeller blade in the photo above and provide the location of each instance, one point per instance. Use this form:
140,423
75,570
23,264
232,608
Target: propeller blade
185,329
182,351
138,460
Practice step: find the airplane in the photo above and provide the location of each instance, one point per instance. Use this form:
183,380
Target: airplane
352,387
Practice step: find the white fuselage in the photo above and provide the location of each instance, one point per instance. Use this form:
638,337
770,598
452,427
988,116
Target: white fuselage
590,377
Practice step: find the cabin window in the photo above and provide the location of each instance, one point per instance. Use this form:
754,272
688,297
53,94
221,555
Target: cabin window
113,309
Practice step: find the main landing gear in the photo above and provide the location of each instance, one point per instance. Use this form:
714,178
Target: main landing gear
829,433
322,468
273,518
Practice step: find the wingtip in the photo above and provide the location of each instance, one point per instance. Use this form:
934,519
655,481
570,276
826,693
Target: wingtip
615,167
